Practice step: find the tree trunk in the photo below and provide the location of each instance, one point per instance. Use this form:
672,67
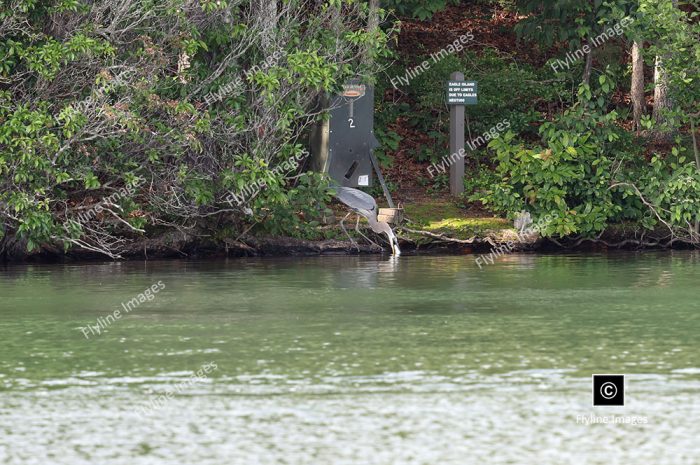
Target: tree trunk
696,151
662,102
267,15
637,88
695,141
372,26
266,12
589,63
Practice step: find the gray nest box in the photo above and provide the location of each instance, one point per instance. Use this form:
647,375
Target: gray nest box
341,146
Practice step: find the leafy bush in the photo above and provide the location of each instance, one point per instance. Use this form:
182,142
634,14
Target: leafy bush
586,177
671,189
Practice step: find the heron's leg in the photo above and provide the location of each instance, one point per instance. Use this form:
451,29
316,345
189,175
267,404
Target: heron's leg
357,228
342,225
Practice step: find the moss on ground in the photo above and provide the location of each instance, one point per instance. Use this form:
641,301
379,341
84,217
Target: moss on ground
446,217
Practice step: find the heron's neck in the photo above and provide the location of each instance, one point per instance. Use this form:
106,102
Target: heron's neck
377,226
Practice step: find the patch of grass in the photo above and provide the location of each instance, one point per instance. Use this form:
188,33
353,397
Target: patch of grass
444,217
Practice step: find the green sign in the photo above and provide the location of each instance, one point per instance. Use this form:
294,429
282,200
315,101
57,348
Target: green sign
461,93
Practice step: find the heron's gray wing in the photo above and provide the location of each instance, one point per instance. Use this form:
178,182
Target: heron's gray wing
356,199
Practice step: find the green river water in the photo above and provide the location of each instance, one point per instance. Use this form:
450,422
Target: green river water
351,360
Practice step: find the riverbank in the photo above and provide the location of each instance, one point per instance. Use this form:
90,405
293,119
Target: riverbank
427,230
569,153
182,245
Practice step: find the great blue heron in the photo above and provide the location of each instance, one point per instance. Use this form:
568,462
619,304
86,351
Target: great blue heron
365,205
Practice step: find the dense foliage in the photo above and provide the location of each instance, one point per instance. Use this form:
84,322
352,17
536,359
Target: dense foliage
569,152
125,117
587,174
588,170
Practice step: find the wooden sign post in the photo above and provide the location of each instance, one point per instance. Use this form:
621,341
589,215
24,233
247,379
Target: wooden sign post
459,93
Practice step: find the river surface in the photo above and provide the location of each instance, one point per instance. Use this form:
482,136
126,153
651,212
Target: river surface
351,360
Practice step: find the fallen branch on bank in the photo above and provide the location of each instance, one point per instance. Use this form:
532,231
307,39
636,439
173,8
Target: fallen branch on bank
654,243
612,245
442,237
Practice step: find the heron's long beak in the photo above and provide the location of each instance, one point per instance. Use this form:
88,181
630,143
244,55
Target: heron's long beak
394,243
